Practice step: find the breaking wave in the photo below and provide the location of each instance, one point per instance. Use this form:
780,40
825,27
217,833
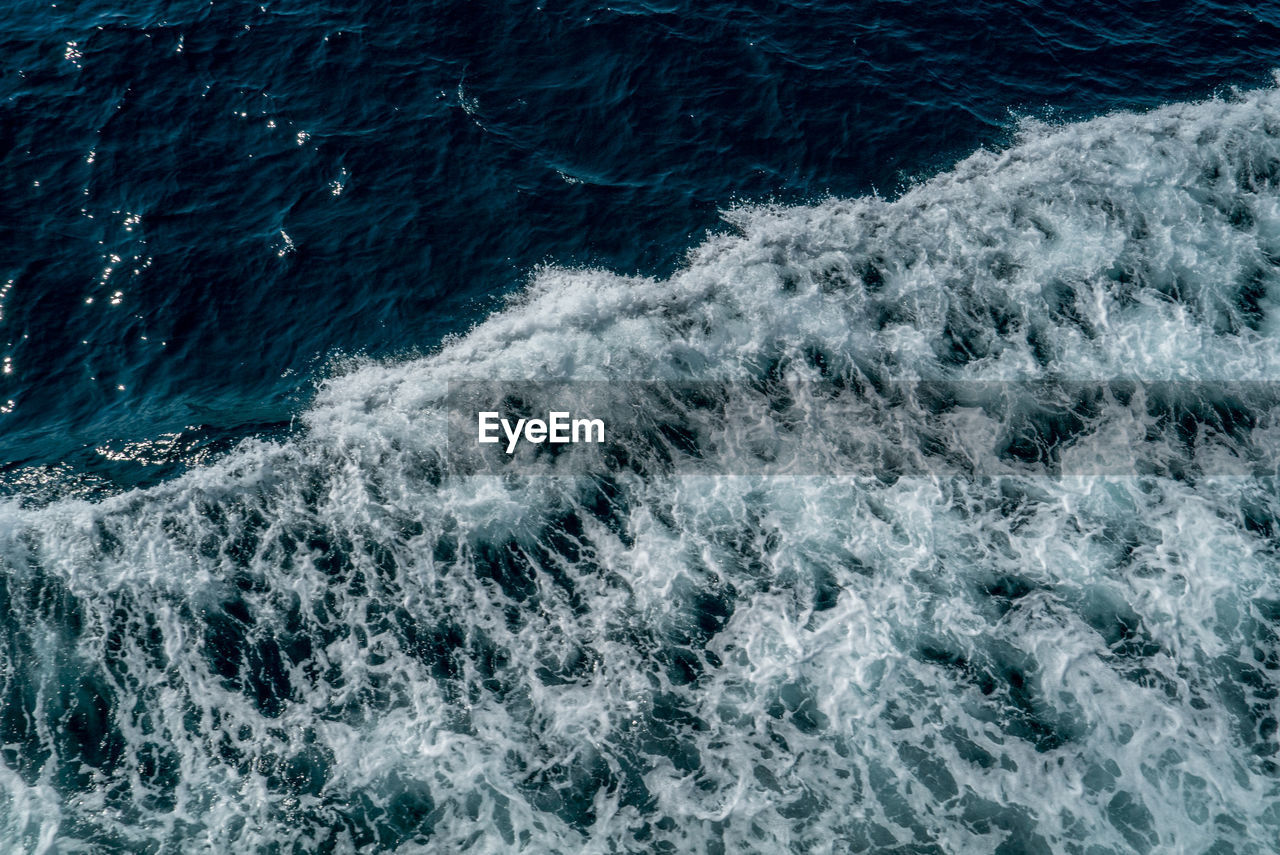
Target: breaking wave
337,643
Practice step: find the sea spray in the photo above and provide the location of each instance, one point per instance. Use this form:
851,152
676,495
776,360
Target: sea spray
340,641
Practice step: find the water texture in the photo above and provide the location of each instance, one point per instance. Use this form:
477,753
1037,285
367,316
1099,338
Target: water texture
207,203
245,612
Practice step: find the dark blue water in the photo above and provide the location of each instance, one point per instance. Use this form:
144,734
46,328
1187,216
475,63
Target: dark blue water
253,600
422,159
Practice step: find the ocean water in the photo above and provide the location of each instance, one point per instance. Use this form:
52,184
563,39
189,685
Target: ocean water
955,528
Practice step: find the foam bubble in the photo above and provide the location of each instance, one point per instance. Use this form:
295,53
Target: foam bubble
335,643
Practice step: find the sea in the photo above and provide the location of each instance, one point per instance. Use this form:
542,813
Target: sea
938,348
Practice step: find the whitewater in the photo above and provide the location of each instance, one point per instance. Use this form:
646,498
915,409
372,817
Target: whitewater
726,631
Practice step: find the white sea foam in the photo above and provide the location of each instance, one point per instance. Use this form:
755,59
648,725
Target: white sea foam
336,643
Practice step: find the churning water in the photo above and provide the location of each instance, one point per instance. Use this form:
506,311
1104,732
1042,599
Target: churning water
334,640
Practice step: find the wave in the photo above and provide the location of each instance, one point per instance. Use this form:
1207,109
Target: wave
338,643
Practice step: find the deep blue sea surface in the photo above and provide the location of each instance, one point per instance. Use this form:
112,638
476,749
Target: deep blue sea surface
246,606
204,204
